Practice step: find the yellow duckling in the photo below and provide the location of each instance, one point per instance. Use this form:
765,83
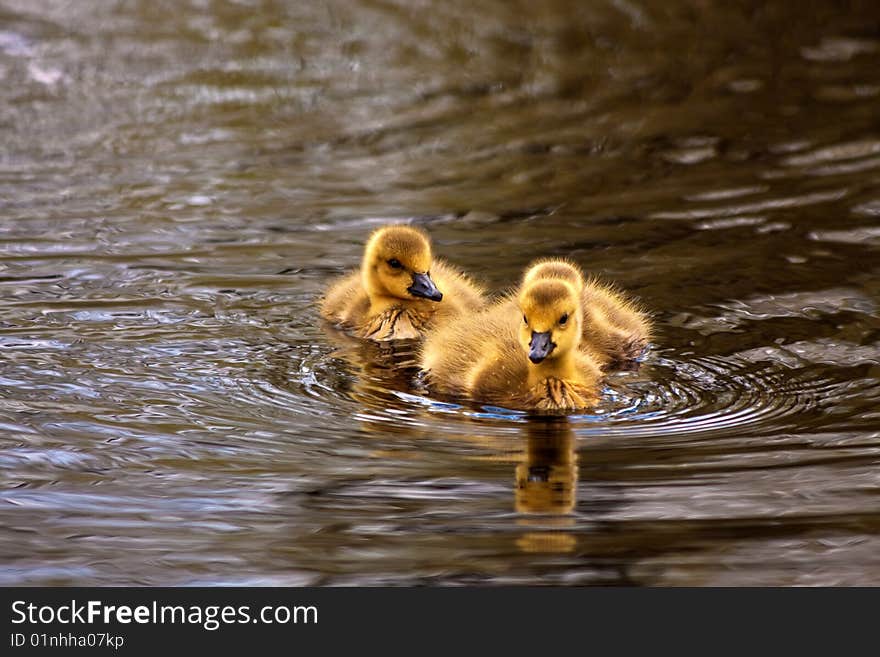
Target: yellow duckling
400,289
614,326
525,352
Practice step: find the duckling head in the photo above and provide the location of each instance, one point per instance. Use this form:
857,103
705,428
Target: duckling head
552,318
397,263
554,269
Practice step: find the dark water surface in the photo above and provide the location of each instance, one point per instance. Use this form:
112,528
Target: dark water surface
179,180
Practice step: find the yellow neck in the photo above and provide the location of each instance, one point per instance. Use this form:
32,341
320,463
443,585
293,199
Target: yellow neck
381,303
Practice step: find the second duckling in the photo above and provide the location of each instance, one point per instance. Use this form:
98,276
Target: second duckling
525,352
614,325
401,290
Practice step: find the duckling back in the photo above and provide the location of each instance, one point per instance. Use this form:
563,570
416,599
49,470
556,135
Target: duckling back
345,302
614,324
477,354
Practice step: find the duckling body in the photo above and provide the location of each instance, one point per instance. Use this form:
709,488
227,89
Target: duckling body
400,291
523,352
615,326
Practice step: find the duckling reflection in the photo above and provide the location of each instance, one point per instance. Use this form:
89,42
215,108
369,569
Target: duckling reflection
545,487
376,368
546,479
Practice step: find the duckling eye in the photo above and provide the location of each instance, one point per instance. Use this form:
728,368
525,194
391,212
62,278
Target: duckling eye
525,320
563,319
394,263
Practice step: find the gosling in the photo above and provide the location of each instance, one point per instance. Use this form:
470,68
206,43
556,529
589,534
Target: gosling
525,352
400,290
614,325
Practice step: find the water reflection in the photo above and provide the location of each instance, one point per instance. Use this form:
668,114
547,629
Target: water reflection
546,485
546,479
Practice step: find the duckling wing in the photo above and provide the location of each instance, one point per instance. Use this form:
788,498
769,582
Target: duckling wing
345,302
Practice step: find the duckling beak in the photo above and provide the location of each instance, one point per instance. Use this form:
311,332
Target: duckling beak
540,346
423,286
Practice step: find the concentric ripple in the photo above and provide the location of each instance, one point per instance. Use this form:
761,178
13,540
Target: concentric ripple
711,394
667,395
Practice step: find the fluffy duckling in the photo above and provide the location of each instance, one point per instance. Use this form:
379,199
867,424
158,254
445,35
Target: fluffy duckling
400,290
524,352
614,325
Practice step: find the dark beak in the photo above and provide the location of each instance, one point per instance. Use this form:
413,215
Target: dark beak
423,286
540,346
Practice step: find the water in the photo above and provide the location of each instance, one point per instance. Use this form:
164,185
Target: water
179,181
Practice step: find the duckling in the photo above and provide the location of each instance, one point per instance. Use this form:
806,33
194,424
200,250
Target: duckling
613,325
400,290
524,352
